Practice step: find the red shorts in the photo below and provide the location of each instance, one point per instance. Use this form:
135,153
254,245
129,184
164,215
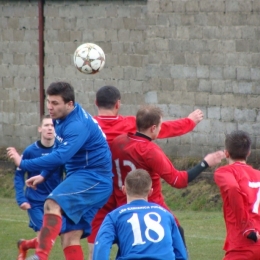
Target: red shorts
99,217
243,253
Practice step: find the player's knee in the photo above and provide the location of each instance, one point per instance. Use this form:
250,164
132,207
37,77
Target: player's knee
51,207
71,238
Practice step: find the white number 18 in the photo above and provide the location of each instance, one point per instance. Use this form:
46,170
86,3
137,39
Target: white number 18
150,225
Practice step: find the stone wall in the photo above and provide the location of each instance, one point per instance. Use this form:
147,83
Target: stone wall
178,54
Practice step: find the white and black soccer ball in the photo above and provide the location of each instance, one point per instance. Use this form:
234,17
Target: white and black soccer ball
89,58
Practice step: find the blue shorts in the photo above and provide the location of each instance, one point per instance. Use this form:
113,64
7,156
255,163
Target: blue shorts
80,196
35,214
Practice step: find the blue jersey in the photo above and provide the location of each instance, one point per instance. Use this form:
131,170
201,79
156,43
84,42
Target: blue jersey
142,230
80,144
35,150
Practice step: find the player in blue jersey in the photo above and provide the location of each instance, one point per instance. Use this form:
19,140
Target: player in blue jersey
141,229
81,146
30,199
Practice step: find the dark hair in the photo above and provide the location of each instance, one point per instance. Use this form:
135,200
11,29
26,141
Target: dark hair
148,116
107,96
138,183
63,89
238,144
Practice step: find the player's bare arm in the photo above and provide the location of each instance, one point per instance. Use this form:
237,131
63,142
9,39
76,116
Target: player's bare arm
215,158
196,116
14,155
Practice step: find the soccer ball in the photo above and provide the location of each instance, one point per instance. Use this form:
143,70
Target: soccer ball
89,58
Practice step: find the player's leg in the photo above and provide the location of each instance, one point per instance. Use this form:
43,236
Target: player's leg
24,245
70,242
87,195
51,227
79,197
35,214
71,234
97,221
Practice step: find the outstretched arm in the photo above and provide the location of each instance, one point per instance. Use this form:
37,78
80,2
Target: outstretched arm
196,116
72,141
161,164
181,126
210,160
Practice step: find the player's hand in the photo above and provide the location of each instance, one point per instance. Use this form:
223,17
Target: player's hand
214,158
25,206
196,116
14,155
34,181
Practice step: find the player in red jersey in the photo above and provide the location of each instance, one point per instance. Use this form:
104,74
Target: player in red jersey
239,185
137,151
108,101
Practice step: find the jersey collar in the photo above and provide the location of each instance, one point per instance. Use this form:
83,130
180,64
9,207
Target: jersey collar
142,135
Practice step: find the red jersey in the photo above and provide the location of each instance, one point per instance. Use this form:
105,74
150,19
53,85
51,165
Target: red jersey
131,152
240,190
114,126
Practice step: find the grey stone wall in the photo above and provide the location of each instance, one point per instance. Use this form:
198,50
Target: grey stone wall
180,55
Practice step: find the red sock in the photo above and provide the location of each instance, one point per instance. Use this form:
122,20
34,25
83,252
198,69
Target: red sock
32,243
50,230
73,252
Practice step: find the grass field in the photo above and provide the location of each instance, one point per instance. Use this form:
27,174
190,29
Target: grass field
204,232
198,208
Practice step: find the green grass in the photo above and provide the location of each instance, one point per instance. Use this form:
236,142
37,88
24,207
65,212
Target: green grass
201,194
198,208
14,225
204,233
6,185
